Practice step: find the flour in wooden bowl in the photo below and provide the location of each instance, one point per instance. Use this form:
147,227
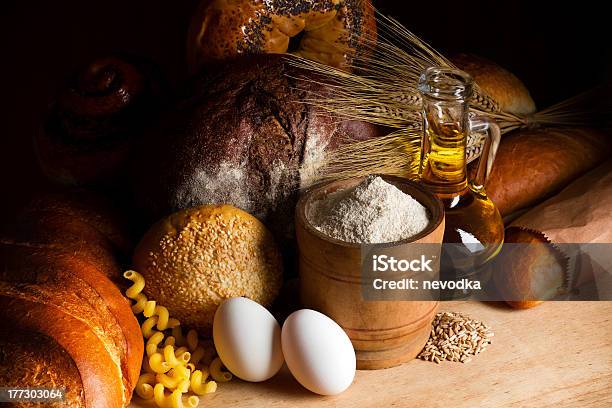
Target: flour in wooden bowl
372,212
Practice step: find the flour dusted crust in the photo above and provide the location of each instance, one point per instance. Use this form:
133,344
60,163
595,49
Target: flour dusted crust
333,30
244,136
195,259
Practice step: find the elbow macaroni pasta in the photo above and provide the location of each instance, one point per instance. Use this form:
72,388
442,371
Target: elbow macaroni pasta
217,373
193,401
183,386
170,341
171,359
174,364
181,372
172,323
192,339
163,316
180,351
171,381
199,384
177,333
158,365
174,400
197,355
144,386
149,308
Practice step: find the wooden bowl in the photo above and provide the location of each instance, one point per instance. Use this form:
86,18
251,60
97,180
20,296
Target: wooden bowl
384,333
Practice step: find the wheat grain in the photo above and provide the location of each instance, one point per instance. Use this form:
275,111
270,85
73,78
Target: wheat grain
447,340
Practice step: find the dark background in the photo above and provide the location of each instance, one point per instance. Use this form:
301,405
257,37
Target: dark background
557,49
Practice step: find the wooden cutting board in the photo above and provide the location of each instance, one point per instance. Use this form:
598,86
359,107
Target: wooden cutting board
558,354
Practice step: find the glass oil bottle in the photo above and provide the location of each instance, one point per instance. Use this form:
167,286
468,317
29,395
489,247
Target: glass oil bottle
474,227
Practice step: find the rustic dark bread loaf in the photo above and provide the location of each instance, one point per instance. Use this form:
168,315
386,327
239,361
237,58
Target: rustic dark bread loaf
55,265
531,165
242,136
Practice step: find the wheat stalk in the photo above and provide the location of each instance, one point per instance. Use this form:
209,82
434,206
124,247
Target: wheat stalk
382,85
381,88
391,154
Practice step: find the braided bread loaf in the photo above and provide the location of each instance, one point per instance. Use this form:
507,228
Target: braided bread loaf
66,324
97,114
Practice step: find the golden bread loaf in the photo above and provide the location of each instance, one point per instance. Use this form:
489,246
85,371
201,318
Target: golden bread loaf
499,83
57,301
531,165
35,353
196,258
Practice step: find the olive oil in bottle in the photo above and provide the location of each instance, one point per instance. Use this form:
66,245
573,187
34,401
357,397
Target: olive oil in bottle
472,221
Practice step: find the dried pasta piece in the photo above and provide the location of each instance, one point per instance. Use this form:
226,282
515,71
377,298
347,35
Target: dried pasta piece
147,326
172,323
144,386
181,372
183,385
160,397
171,359
153,343
149,308
174,400
199,384
137,287
197,355
162,313
139,306
158,365
169,380
192,339
217,373
180,351
177,333
192,401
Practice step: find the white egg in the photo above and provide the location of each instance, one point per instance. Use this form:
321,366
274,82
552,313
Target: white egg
248,339
318,352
